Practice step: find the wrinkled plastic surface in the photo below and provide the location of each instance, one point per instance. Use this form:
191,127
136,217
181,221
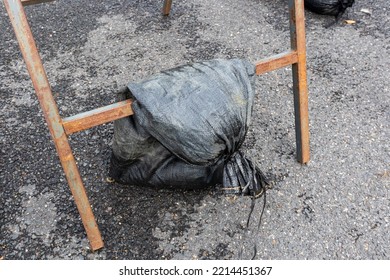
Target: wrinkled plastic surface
188,125
200,111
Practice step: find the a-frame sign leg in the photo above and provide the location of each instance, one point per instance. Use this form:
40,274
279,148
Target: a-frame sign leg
50,111
298,44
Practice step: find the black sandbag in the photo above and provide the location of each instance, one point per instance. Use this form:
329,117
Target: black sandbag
160,168
328,7
188,125
200,111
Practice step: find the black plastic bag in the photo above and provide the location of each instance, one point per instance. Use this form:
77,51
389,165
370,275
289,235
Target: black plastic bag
328,7
188,125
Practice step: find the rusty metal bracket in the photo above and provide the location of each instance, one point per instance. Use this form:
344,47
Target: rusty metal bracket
60,128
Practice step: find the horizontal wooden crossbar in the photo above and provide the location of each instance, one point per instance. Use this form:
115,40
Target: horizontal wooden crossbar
97,116
276,62
123,109
31,2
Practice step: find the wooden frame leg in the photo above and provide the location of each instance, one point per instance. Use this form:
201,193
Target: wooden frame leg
50,111
298,44
60,128
167,7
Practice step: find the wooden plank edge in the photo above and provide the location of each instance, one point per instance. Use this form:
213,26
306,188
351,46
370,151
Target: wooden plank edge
167,7
276,62
97,116
32,2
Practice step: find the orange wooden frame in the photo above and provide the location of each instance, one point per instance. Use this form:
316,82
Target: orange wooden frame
61,128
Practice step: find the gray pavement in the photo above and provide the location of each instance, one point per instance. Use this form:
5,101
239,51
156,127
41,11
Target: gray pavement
335,207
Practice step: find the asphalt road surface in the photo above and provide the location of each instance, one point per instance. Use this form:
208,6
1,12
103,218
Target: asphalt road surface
335,207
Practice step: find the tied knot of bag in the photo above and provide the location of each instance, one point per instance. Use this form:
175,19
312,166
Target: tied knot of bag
242,177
